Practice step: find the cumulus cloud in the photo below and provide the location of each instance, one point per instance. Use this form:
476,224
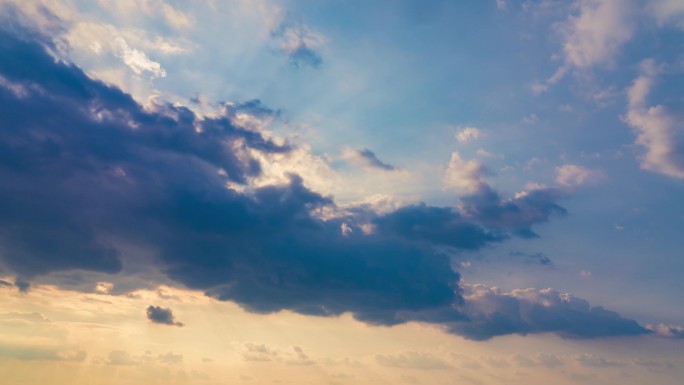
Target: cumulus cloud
572,175
592,36
492,312
366,158
596,34
659,131
465,176
162,315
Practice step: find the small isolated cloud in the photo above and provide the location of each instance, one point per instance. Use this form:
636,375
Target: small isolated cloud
366,158
300,43
137,60
161,315
413,360
659,131
501,4
572,175
467,134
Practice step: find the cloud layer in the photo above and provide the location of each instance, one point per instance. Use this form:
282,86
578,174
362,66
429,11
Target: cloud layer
88,171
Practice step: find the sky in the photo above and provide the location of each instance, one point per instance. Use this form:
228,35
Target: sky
341,192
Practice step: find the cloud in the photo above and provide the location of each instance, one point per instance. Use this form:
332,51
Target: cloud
658,129
300,43
162,315
40,353
572,175
592,36
413,360
536,258
668,12
170,358
668,331
465,176
260,352
366,158
88,171
596,34
121,357
434,225
591,360
136,60
491,312
516,215
467,134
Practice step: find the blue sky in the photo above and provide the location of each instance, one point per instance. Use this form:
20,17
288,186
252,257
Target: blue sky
501,176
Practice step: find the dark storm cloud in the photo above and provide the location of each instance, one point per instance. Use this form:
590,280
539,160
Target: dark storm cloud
492,313
78,156
85,167
435,225
162,315
516,215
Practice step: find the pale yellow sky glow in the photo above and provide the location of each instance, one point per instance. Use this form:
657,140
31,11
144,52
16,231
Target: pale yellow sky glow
57,336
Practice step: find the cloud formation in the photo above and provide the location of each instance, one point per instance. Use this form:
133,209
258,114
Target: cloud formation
88,170
572,175
658,130
595,35
160,315
300,43
492,312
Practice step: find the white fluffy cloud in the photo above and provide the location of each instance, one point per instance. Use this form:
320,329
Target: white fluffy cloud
659,130
465,176
598,32
137,60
